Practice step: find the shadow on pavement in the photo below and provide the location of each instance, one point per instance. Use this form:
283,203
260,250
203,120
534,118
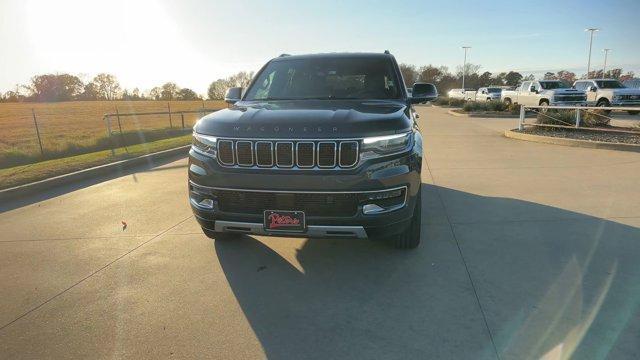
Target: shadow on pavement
556,288
152,165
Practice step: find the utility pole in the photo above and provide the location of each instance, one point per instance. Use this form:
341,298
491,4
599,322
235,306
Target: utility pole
604,68
592,30
464,64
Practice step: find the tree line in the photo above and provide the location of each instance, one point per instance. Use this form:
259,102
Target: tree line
445,80
67,87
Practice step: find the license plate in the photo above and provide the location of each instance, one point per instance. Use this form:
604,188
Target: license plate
282,220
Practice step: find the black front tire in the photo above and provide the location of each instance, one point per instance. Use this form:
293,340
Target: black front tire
507,101
410,238
604,103
222,236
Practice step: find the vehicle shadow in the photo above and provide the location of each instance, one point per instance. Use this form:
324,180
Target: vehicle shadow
546,288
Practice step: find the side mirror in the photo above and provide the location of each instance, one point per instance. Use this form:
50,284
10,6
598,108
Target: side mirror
592,88
233,95
423,92
532,89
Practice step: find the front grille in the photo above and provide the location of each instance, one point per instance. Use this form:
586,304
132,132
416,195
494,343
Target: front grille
570,98
305,154
313,204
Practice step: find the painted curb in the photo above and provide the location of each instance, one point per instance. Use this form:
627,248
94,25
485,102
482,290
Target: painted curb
475,115
46,184
571,142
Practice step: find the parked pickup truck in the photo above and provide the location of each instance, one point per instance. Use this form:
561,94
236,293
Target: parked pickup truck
544,93
609,92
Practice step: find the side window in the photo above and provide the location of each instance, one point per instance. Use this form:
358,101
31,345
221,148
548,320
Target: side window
536,85
579,86
525,86
593,83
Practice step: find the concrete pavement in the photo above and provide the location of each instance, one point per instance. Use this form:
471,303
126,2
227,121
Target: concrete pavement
528,250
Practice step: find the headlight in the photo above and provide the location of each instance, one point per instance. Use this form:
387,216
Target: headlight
204,144
385,145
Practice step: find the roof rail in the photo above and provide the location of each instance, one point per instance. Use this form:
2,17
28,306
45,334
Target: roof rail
284,55
387,52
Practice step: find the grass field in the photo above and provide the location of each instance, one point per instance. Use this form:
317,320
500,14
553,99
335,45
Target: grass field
70,128
24,174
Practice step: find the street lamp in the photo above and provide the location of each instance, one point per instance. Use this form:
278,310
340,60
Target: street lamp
464,64
592,30
604,68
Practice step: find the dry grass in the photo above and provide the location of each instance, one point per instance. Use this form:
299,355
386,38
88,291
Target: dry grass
70,127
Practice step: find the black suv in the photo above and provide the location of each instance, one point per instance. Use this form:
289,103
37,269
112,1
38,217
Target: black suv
322,145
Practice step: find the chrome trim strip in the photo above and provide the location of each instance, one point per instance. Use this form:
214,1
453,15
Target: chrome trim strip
311,230
357,153
270,151
299,191
252,150
292,154
233,155
335,150
313,154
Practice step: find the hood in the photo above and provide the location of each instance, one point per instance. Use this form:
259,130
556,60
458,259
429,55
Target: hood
307,119
567,91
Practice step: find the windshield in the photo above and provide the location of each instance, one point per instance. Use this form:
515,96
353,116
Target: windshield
494,90
550,85
326,78
609,84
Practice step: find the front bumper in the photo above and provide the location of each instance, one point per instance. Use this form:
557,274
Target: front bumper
207,178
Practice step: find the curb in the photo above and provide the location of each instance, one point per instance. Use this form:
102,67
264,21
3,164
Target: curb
479,115
571,142
34,187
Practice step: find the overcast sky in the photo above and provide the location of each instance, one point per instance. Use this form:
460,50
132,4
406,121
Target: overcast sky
146,43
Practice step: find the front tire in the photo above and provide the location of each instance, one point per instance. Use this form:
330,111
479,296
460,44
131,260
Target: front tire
410,238
507,101
221,236
604,103
545,105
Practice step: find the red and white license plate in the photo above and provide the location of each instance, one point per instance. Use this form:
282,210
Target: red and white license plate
283,220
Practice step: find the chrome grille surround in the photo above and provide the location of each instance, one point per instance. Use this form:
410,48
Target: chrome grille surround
305,153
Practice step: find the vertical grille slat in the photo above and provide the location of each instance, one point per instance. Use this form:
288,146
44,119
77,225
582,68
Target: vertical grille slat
264,153
244,153
284,154
326,154
304,154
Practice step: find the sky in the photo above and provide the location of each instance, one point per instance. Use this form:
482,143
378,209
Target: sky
192,43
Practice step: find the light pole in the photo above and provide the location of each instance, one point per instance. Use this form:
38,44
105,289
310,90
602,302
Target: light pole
464,64
592,30
604,68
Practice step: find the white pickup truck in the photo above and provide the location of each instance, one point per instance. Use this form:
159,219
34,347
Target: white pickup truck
609,92
544,93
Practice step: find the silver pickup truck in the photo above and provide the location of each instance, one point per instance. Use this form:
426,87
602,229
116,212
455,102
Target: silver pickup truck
609,92
544,93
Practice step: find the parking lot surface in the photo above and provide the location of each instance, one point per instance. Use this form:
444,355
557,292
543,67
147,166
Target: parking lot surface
528,250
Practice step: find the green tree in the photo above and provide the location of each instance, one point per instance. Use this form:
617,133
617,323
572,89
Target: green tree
169,91
187,94
107,86
409,74
55,87
512,78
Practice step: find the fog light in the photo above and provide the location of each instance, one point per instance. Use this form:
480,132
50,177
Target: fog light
204,203
372,209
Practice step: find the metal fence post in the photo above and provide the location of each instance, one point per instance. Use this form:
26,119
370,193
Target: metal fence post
521,120
124,142
182,118
33,112
170,122
577,117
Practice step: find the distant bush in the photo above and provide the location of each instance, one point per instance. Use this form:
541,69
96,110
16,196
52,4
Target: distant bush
472,106
456,102
557,117
441,101
594,118
513,108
